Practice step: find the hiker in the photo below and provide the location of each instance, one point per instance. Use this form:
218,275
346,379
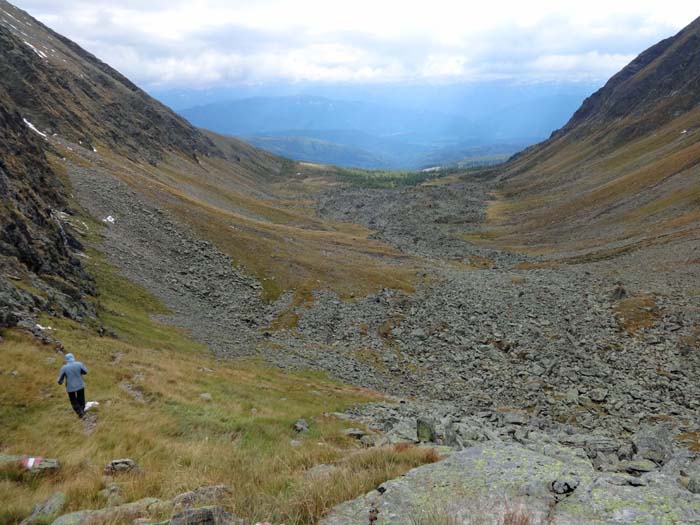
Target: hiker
73,372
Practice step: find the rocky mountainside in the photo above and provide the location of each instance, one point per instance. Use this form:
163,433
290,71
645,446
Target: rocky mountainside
624,169
51,89
63,89
33,241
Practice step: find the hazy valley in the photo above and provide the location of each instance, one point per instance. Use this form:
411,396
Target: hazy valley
282,341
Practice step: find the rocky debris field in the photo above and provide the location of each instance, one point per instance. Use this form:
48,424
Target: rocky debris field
546,345
206,293
490,348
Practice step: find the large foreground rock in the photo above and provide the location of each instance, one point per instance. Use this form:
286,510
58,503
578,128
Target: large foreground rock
46,511
32,464
121,514
487,483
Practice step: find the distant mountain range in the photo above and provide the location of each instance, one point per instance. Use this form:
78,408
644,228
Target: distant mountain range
378,135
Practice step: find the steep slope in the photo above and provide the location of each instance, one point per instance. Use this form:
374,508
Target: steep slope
623,170
33,241
67,113
63,89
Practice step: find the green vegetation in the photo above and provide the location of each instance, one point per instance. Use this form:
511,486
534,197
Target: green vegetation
149,382
387,179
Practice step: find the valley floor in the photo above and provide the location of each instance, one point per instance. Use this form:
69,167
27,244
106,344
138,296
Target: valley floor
507,345
487,331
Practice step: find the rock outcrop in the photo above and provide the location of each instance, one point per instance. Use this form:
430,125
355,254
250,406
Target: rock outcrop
549,484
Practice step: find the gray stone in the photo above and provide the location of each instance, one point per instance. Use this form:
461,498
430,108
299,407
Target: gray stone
301,426
320,472
637,466
653,442
112,493
202,495
564,485
121,466
598,395
47,511
121,514
492,473
694,482
31,464
425,430
205,516
515,418
357,433
419,333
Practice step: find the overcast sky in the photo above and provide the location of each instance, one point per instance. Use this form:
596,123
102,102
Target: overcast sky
208,43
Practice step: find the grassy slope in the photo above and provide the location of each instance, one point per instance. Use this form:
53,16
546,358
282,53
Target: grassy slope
623,171
180,440
577,195
259,210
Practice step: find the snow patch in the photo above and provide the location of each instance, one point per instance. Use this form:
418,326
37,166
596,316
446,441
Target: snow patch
38,52
109,219
91,404
12,17
43,328
684,132
33,128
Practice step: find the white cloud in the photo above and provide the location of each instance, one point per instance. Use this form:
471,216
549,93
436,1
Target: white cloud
213,42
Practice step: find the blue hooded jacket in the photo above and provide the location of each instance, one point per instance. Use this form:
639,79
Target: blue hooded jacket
72,372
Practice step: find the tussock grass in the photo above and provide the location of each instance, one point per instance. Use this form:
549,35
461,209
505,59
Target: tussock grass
636,313
242,437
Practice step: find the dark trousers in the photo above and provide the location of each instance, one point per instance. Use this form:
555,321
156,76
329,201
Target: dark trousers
77,401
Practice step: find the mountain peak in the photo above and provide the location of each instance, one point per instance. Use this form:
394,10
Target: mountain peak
63,89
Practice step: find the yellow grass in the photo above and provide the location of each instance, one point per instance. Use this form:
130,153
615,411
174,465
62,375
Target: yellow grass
636,313
250,211
242,437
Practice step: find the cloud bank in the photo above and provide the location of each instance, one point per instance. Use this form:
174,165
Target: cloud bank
208,43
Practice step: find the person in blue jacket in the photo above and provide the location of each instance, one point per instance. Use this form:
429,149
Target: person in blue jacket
72,372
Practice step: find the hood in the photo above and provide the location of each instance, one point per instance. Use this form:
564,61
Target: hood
70,358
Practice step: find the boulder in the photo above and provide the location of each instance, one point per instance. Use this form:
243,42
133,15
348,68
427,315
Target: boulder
120,466
205,516
357,433
694,482
301,426
425,430
47,511
32,464
120,514
320,472
653,442
202,495
558,487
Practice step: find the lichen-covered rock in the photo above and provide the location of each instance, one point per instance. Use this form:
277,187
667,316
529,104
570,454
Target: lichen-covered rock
120,466
560,487
126,513
32,464
425,430
46,511
205,516
202,495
